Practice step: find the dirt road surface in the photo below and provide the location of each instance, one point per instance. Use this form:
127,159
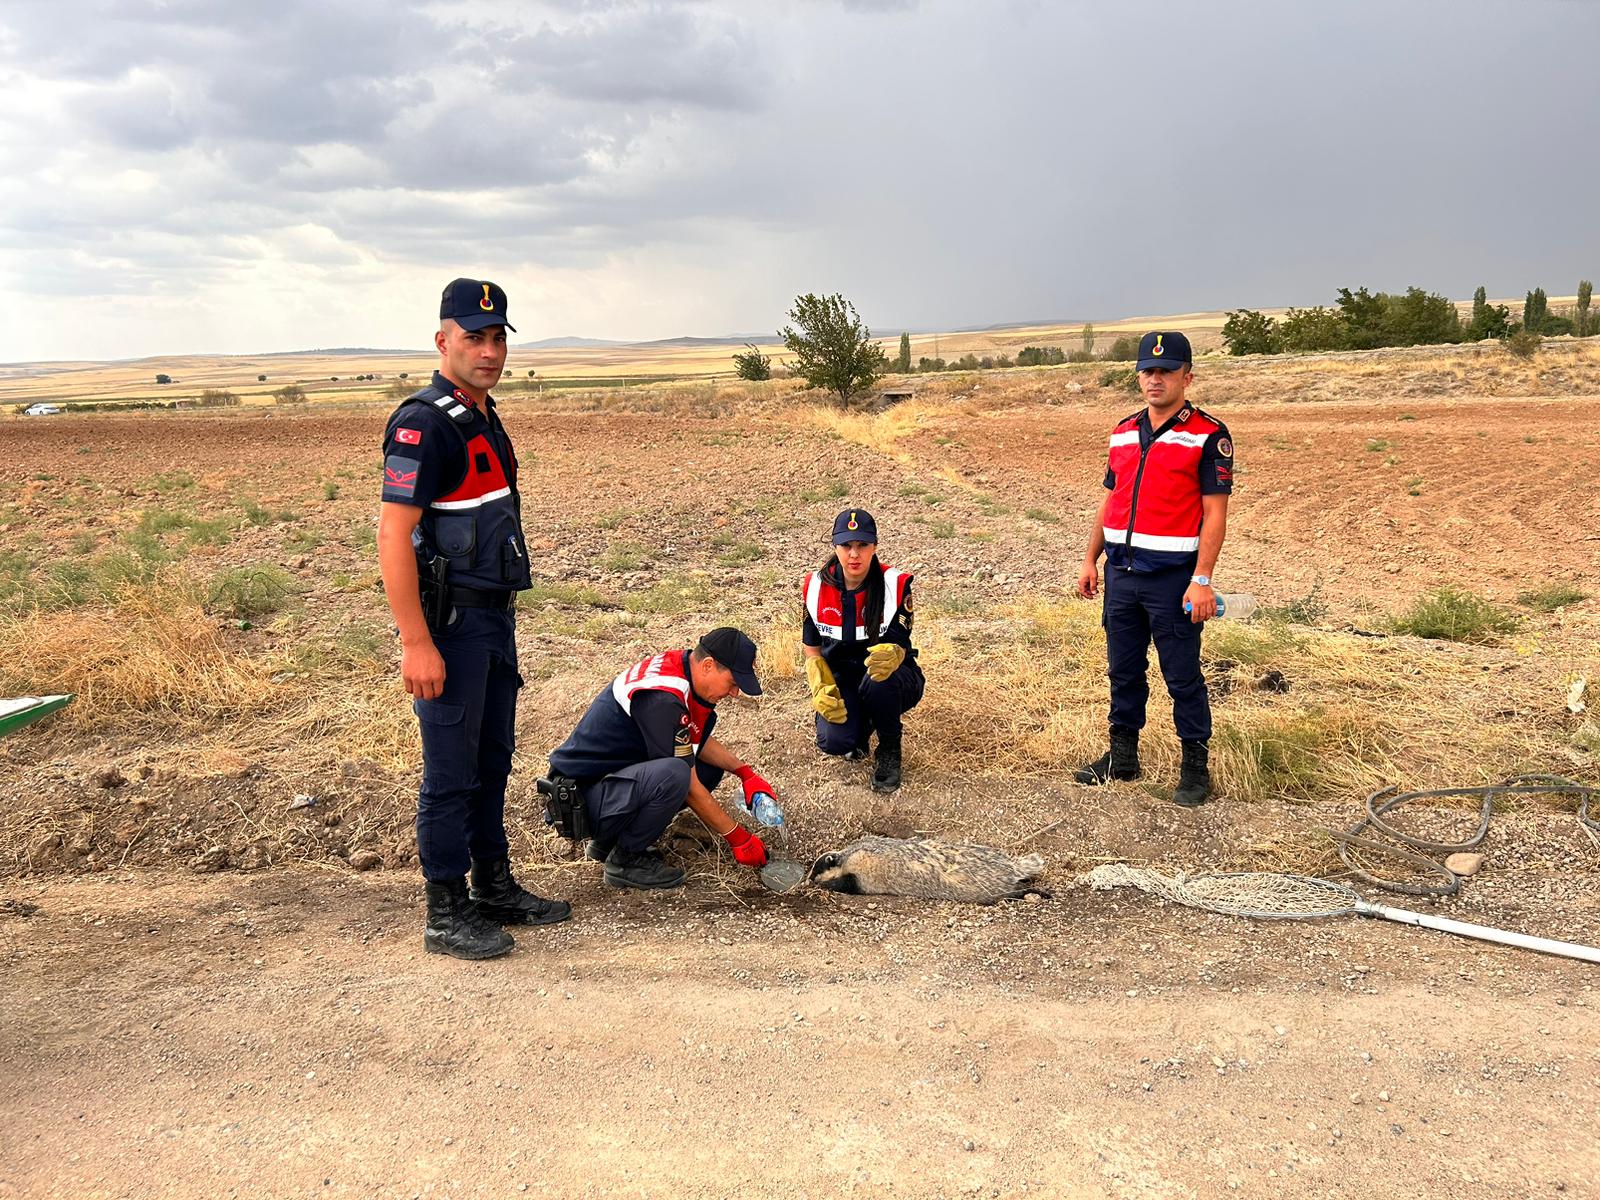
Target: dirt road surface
285,1035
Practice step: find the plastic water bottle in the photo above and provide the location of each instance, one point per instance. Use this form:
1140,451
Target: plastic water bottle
1235,606
766,811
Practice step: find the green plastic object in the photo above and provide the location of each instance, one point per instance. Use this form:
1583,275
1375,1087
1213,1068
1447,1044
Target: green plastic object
25,710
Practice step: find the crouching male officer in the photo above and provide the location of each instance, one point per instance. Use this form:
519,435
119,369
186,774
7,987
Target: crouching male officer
644,750
1161,525
451,551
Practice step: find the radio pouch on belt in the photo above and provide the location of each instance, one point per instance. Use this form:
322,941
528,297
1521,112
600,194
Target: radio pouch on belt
564,808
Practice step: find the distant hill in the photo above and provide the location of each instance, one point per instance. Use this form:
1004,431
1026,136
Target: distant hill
568,343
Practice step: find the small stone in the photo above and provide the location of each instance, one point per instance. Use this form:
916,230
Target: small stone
1384,1096
109,778
366,860
1464,863
303,800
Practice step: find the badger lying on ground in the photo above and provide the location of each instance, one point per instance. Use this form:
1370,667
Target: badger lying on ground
934,870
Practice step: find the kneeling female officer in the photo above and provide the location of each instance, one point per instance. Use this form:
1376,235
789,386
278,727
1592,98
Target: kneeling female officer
860,662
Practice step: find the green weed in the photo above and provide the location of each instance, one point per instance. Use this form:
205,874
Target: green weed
250,593
1551,597
1452,615
625,556
573,594
1306,610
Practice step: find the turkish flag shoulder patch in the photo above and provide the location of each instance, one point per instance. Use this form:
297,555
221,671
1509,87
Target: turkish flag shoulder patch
411,437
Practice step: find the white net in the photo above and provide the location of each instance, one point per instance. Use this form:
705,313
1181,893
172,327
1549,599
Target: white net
1240,894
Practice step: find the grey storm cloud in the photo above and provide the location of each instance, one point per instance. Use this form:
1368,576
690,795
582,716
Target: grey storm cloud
940,162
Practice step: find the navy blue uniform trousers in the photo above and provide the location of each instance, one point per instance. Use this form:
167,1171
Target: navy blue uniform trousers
870,705
466,745
631,808
1139,609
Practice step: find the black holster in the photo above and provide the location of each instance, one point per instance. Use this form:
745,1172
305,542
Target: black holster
433,579
564,809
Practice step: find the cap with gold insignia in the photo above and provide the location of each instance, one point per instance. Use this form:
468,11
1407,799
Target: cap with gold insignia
1167,350
855,525
474,304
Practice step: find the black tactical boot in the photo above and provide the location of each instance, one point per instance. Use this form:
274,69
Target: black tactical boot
506,902
598,849
641,869
1194,776
1120,762
886,775
456,927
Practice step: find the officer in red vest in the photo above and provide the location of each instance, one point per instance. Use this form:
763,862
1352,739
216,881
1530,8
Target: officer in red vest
644,750
1168,478
860,663
452,554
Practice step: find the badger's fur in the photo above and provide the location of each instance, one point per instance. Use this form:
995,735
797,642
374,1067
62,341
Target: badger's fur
934,870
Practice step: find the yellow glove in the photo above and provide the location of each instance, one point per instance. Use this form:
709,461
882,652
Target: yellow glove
884,659
825,697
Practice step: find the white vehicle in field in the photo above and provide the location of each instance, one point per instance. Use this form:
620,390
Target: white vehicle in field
41,410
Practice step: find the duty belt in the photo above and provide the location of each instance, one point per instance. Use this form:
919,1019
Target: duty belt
466,597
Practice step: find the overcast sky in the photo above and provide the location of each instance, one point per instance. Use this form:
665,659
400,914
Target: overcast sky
238,176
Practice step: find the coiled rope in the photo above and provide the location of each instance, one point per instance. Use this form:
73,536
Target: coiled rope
1396,845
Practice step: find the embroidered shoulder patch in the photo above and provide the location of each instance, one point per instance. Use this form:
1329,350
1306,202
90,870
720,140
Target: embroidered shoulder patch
1225,447
411,437
400,477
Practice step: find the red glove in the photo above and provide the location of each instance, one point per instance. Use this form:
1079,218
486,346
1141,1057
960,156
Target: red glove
748,849
753,783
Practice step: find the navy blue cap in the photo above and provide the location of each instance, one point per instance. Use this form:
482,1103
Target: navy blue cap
1167,350
854,525
474,304
736,652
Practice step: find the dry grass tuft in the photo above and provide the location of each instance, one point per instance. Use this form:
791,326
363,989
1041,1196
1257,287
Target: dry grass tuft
879,430
154,651
1026,694
778,651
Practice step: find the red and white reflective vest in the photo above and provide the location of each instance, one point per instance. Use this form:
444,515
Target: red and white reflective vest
825,604
665,672
1152,519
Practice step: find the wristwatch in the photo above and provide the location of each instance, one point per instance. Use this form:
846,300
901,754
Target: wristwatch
1202,580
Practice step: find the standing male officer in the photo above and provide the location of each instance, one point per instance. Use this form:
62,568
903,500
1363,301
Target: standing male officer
1161,526
451,551
644,750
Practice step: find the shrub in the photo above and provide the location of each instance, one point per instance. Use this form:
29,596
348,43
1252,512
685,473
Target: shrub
1120,377
249,593
1040,356
931,364
1452,615
1310,329
213,398
1249,332
751,364
1124,349
1306,610
1551,597
290,393
1523,343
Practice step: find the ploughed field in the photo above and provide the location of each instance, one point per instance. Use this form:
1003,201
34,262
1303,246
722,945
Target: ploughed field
211,989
